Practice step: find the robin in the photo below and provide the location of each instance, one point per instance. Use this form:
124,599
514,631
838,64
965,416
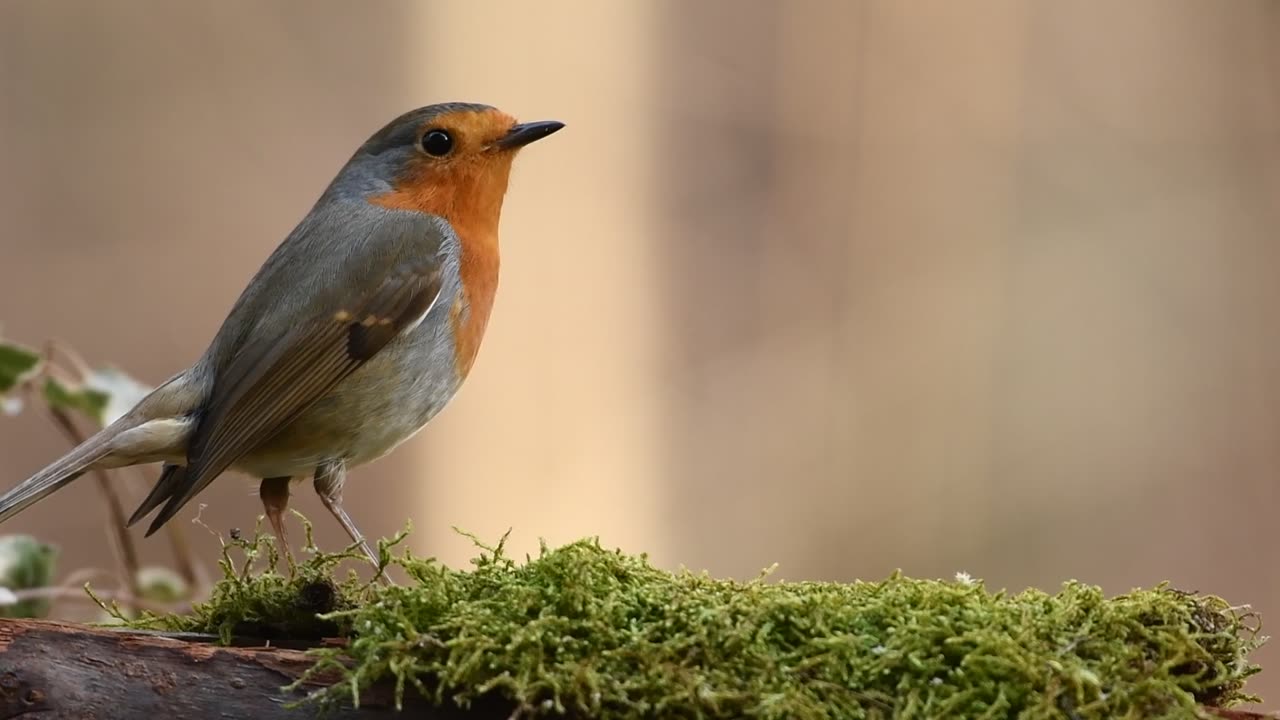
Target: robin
352,335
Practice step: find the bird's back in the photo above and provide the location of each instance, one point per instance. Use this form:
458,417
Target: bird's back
386,400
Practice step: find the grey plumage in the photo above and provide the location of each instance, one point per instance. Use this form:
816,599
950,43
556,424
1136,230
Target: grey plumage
340,347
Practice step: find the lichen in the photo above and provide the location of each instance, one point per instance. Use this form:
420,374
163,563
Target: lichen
584,631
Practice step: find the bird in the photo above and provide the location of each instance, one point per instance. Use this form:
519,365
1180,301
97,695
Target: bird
353,334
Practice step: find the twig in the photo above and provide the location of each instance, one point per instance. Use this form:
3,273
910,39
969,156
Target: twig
67,593
76,579
73,367
183,558
191,572
128,554
194,574
53,348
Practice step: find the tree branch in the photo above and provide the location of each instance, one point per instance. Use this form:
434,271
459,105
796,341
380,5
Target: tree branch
69,670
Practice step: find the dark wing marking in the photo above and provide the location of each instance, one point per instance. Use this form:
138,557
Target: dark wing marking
273,380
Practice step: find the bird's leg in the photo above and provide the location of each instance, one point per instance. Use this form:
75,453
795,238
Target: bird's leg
275,500
330,477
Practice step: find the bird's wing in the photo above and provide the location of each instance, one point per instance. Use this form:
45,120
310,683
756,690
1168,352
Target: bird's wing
383,286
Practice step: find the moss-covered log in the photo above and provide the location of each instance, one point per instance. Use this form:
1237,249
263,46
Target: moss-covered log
58,670
584,632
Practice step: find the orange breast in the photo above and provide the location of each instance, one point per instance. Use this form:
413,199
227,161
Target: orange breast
470,313
468,193
477,231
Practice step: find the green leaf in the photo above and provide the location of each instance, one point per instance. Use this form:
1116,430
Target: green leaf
105,395
17,363
25,563
88,401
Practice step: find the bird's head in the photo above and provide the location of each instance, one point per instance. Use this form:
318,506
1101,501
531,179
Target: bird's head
452,160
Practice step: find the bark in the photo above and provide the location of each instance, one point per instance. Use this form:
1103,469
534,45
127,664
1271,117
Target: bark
57,670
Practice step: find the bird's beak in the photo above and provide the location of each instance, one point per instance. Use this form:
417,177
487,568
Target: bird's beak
524,133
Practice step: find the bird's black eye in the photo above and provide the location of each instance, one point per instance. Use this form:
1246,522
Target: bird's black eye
437,142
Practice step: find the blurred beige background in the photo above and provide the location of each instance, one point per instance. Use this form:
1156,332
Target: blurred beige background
847,286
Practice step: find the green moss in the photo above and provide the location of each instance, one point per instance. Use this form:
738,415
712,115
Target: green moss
586,631
258,598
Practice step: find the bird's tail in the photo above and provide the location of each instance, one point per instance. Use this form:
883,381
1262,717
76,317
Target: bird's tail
155,429
171,478
56,475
